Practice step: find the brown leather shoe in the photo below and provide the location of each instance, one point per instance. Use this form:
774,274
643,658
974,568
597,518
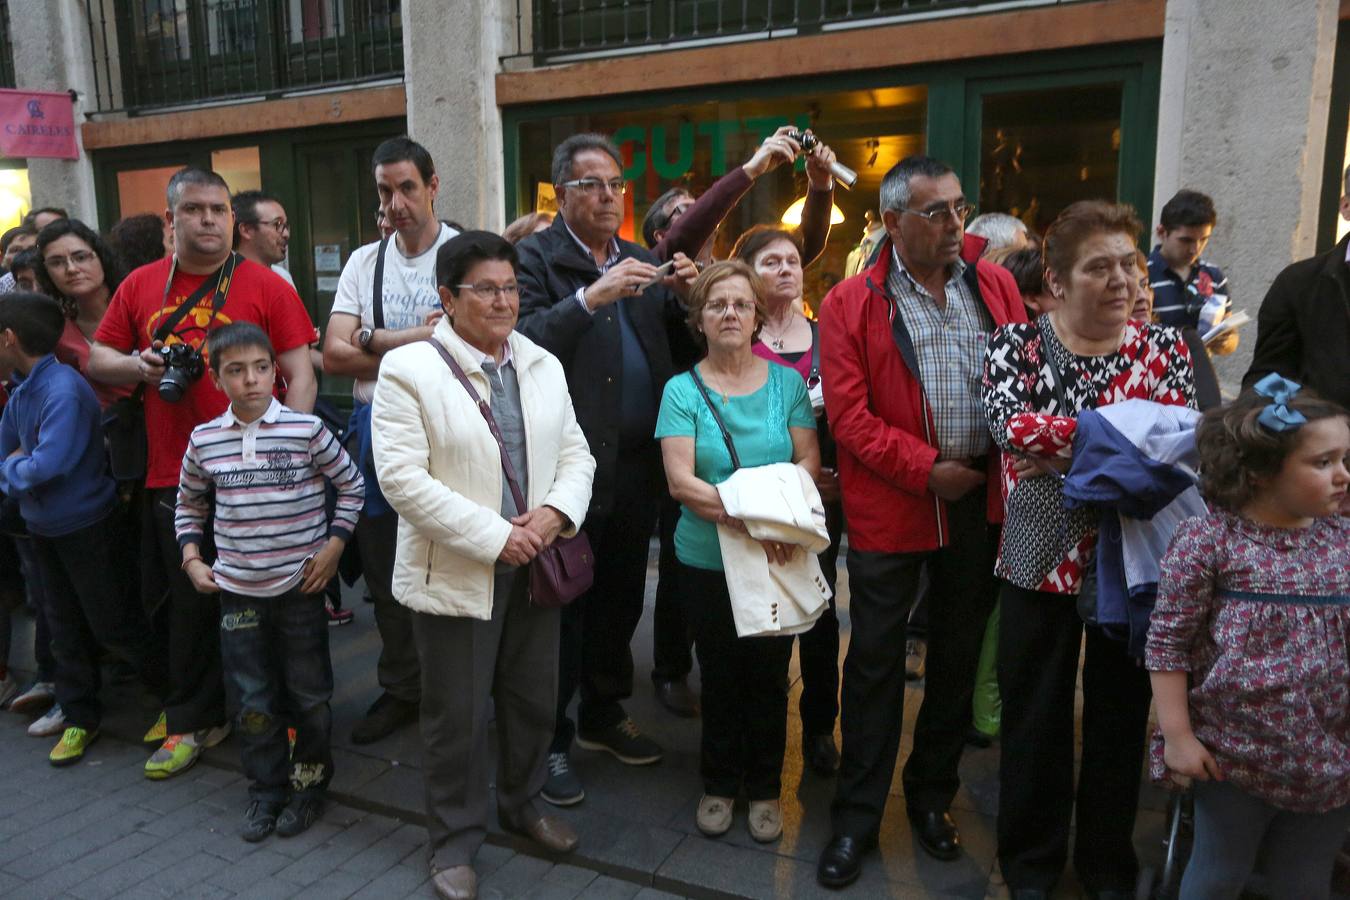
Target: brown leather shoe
456,883
549,832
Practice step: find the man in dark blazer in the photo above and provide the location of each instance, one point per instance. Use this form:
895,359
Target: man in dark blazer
596,302
1303,328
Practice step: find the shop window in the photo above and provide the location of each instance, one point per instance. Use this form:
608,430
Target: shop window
1041,150
239,166
692,145
143,190
15,197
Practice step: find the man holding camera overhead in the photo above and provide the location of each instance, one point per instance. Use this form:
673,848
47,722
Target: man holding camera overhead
153,335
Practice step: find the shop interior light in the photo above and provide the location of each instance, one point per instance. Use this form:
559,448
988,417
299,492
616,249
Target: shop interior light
793,214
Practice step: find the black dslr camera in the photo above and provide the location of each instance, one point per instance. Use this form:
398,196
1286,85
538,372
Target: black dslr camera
183,365
842,173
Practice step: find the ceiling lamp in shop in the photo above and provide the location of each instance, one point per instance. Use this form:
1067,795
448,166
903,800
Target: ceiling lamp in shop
793,214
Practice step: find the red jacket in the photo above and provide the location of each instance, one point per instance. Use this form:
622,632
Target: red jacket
879,416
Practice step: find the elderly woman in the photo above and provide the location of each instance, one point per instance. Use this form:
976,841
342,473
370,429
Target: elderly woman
790,339
464,548
1085,353
768,417
79,269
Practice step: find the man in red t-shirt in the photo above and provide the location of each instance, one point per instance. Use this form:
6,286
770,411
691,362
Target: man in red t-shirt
124,353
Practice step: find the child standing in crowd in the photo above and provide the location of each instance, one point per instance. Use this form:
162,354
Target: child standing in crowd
276,550
1248,646
54,465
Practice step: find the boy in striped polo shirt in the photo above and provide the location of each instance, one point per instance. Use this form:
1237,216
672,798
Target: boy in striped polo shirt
275,552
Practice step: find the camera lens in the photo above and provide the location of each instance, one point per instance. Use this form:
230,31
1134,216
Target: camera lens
173,385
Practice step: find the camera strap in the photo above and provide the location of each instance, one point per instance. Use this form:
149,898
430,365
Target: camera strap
217,284
377,289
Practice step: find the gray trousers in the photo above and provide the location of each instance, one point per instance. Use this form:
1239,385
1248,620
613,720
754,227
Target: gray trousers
512,659
397,670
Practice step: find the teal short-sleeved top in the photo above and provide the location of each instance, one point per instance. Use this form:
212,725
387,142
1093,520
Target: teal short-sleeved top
758,423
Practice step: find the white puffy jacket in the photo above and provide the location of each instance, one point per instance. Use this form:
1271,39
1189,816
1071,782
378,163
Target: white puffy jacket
439,467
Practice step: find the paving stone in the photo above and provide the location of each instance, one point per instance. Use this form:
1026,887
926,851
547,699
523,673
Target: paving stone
398,881
250,870
570,876
378,857
192,871
606,888
114,881
518,875
335,885
315,864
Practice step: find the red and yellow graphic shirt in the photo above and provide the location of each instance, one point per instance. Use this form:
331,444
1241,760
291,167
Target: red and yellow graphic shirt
256,295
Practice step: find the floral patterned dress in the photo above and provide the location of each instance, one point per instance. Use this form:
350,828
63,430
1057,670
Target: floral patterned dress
1260,618
1044,547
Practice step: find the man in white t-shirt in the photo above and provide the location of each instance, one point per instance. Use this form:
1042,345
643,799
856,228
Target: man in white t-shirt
386,298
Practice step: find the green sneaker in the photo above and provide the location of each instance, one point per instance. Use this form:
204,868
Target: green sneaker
70,749
175,756
158,733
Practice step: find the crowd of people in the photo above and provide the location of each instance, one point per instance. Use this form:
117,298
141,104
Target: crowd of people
1021,435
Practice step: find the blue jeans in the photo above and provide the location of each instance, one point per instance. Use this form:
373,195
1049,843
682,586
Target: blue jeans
278,674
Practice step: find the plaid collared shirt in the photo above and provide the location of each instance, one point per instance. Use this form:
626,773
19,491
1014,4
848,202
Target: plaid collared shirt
949,343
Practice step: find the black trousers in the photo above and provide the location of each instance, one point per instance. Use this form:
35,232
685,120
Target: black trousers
88,607
279,673
818,649
595,653
398,669
744,696
196,699
883,587
672,640
1039,638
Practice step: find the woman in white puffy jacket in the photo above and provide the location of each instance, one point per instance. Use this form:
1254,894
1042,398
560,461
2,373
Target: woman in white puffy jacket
463,547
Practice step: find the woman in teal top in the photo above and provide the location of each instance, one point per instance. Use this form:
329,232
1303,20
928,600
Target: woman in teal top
768,415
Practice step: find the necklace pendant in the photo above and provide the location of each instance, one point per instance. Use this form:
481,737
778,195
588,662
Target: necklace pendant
777,343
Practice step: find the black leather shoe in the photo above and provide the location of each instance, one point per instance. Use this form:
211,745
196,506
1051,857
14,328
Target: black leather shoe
820,754
1029,894
936,833
841,861
676,697
385,716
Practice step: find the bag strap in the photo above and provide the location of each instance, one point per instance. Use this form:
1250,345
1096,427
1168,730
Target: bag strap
717,417
219,285
507,468
377,289
1058,378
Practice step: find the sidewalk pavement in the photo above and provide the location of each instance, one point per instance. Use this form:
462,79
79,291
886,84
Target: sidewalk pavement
100,829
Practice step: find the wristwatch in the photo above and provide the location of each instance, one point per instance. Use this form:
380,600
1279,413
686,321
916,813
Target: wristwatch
363,337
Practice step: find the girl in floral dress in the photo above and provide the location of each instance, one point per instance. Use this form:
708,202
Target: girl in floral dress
1249,647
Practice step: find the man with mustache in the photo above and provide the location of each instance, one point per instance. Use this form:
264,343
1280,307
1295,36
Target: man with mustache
175,301
902,356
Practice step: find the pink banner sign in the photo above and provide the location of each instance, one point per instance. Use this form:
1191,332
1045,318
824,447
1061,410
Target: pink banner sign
37,123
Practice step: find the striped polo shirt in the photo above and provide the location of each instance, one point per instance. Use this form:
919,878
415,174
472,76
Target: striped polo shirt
1179,303
268,480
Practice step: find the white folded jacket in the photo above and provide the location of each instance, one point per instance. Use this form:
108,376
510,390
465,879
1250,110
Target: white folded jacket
777,502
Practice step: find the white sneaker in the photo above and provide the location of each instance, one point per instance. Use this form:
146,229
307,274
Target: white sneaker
35,700
54,722
9,689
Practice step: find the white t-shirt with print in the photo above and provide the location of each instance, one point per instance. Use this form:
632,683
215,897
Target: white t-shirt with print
409,291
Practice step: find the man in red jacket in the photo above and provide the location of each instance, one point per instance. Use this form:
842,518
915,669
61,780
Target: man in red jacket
902,355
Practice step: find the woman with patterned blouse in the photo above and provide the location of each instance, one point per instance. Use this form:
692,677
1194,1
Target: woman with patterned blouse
1085,353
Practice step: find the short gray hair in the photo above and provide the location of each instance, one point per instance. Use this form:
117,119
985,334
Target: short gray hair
194,176
895,187
567,151
999,229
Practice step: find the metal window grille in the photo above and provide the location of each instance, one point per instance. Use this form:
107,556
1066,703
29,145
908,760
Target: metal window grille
557,30
6,48
152,54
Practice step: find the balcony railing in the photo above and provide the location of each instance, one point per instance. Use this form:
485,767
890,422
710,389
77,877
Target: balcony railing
151,54
557,30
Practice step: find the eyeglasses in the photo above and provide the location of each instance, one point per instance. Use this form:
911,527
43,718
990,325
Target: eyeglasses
719,308
279,225
618,187
958,213
78,258
491,291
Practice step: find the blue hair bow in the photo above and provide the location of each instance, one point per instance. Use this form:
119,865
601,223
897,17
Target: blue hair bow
1277,416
